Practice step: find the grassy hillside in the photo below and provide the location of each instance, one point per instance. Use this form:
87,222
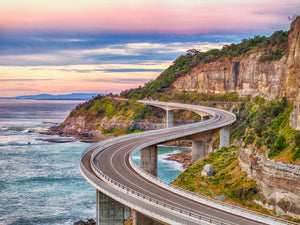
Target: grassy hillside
274,48
228,182
101,106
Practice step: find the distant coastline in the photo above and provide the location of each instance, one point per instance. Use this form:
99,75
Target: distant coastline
73,96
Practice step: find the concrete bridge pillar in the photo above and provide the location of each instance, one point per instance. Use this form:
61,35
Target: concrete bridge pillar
140,219
203,118
198,149
108,210
169,118
149,159
224,137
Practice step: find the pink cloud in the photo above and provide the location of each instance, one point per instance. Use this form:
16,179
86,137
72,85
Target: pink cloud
158,17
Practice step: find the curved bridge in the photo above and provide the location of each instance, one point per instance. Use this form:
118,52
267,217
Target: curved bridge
120,184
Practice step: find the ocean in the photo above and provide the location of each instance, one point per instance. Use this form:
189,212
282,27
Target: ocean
40,182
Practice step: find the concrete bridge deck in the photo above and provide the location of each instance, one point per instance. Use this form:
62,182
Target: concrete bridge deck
108,166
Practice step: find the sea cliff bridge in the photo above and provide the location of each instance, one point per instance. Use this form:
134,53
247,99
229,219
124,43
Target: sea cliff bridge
121,185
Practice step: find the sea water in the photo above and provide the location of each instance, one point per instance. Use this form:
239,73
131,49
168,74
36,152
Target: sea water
40,182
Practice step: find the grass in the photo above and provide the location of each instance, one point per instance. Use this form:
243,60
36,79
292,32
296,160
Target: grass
228,180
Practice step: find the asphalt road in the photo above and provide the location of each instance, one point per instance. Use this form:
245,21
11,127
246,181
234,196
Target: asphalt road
114,162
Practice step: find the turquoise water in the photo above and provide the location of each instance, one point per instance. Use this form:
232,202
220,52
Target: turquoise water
40,182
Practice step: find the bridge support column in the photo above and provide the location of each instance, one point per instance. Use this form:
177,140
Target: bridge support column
198,149
109,211
224,137
169,118
140,219
203,118
149,159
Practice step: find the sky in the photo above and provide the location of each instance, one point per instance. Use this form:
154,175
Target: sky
97,46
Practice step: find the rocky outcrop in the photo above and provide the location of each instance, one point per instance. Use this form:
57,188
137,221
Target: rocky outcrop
247,76
93,131
292,80
89,222
278,183
184,157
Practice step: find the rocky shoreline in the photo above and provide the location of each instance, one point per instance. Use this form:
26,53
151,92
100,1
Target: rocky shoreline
184,157
67,135
88,222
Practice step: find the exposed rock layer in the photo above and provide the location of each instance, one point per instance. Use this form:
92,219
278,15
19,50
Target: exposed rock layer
247,76
278,182
93,131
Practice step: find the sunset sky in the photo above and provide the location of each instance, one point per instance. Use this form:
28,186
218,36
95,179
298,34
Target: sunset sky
59,47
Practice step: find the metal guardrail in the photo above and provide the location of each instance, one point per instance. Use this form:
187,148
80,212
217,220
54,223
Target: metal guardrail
150,206
185,131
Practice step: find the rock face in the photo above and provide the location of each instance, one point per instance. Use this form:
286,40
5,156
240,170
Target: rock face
247,76
78,127
293,72
278,182
92,131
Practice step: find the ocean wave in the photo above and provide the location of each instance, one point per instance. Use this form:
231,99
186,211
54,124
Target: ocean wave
49,179
13,143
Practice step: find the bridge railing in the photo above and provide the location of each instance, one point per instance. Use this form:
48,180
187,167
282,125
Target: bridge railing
186,129
145,200
207,200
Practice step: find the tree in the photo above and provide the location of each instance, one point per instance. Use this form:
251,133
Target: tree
193,51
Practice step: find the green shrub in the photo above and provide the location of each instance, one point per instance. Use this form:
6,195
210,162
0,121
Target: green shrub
245,193
297,138
296,154
250,138
280,143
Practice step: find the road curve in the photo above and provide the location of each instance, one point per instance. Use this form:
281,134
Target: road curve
108,166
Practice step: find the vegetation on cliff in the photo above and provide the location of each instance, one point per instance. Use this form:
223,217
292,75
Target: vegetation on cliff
101,106
228,181
265,125
274,48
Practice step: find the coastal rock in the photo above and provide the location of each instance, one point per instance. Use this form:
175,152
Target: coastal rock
184,157
208,170
279,183
89,222
93,131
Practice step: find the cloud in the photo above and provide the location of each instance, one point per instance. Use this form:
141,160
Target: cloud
89,52
120,80
25,80
145,16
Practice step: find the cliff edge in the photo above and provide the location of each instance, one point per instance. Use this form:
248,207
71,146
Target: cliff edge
293,72
248,75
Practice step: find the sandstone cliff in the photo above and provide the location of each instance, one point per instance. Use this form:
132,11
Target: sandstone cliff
247,76
292,81
279,183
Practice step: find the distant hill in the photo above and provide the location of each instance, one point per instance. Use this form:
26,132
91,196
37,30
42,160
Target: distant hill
73,96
